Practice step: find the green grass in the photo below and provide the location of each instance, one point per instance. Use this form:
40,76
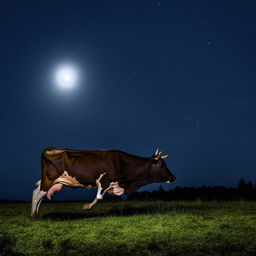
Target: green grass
130,228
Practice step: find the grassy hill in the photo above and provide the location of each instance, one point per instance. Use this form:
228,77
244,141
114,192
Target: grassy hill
130,228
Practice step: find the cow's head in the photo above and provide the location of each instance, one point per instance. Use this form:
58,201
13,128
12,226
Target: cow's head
159,172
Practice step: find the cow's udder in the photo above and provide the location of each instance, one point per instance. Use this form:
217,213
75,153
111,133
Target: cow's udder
54,188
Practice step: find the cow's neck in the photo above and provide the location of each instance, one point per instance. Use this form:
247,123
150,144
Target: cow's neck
138,170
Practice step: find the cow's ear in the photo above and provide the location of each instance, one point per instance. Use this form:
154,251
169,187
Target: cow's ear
158,156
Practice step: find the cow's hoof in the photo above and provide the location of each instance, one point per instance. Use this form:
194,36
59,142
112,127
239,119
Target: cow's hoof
86,207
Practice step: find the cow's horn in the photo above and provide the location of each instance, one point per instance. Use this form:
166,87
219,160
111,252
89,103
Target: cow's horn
156,152
164,156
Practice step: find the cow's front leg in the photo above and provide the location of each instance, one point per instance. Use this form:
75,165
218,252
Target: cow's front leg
100,193
90,205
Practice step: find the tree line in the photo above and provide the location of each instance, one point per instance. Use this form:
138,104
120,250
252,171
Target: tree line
243,191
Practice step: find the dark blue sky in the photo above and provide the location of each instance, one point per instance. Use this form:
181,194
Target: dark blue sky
178,75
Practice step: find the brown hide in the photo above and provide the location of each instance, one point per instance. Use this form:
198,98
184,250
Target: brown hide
131,172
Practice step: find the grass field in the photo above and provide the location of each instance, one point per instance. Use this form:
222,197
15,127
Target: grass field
130,228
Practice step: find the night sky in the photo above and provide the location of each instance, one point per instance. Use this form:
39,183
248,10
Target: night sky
175,75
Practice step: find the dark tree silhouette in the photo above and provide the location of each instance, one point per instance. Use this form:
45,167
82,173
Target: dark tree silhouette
250,186
242,184
244,191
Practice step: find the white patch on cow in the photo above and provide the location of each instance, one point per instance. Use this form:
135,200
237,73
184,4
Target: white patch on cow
38,183
99,196
67,180
37,198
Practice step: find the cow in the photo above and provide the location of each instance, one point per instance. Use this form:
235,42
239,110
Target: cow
111,171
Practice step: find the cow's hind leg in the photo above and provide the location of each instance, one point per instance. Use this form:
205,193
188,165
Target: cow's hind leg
37,198
99,195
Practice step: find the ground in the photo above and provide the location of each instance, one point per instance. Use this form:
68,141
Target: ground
130,228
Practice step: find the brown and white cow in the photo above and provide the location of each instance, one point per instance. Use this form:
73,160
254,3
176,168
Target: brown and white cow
111,171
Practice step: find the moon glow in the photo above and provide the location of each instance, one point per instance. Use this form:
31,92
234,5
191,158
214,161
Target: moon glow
66,77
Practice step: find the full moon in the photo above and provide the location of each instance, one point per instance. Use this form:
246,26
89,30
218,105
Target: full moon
66,77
